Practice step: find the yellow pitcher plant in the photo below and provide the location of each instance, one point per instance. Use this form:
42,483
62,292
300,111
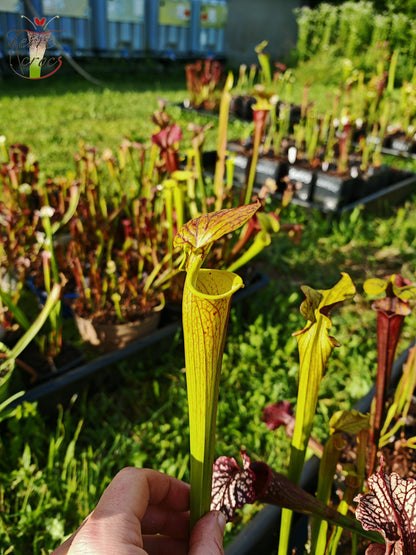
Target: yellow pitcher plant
206,305
315,347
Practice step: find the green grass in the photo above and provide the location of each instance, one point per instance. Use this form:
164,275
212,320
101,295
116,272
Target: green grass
53,115
53,470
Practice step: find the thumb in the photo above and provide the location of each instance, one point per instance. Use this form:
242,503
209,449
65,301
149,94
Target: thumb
207,535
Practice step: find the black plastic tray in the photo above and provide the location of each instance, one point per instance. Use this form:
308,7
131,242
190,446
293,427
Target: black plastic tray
388,196
63,385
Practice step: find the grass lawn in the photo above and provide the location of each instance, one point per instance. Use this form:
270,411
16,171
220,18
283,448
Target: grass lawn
53,469
53,115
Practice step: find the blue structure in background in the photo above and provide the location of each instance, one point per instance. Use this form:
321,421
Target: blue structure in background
119,27
169,29
11,24
208,33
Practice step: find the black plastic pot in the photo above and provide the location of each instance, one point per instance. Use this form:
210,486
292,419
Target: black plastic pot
240,152
327,192
33,369
261,535
400,144
303,178
241,168
332,191
378,178
269,168
241,107
400,185
295,112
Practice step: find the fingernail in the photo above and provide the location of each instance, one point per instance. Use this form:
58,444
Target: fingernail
222,521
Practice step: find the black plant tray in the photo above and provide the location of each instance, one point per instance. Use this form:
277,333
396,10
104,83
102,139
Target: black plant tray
62,385
261,535
399,153
399,144
322,191
387,196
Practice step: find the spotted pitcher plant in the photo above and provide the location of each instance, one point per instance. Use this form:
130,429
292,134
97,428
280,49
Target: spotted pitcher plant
234,486
386,512
206,305
389,508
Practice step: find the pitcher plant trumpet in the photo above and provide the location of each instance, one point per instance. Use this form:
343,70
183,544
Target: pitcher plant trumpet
206,305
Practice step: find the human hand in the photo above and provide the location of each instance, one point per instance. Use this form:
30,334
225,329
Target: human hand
142,512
